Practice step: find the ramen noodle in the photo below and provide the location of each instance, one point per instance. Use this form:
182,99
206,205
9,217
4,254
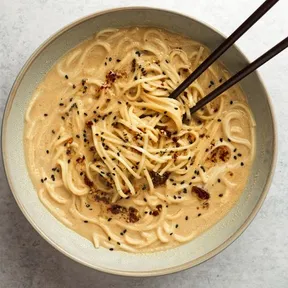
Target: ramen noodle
109,152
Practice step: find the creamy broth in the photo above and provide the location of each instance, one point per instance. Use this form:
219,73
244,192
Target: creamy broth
109,155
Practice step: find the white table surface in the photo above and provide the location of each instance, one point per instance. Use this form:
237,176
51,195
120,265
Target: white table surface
259,258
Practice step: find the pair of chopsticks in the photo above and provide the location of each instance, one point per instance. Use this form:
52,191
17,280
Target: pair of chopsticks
221,49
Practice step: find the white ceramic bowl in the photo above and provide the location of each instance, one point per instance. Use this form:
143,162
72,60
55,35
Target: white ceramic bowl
78,248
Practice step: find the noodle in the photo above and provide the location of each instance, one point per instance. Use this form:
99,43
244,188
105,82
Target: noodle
109,154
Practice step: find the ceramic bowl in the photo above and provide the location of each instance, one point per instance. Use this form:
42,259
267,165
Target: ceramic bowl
78,248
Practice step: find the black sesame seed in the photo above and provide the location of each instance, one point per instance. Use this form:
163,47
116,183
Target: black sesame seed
66,76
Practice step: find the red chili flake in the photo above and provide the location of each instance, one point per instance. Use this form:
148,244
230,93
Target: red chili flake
80,159
158,179
111,76
133,65
89,124
87,181
116,209
133,215
69,141
155,213
103,199
201,193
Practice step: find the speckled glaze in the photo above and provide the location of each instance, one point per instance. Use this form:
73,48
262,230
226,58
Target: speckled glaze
80,249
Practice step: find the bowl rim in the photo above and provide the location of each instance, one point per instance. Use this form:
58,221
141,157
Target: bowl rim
190,264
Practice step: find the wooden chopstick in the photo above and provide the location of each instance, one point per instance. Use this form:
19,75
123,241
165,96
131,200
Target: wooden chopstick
224,46
241,74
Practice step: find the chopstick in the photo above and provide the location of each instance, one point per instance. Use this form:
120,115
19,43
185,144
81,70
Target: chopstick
248,23
241,74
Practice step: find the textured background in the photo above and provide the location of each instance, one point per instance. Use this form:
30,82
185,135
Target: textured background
259,258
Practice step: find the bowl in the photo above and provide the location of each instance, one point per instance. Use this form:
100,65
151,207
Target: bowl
78,248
